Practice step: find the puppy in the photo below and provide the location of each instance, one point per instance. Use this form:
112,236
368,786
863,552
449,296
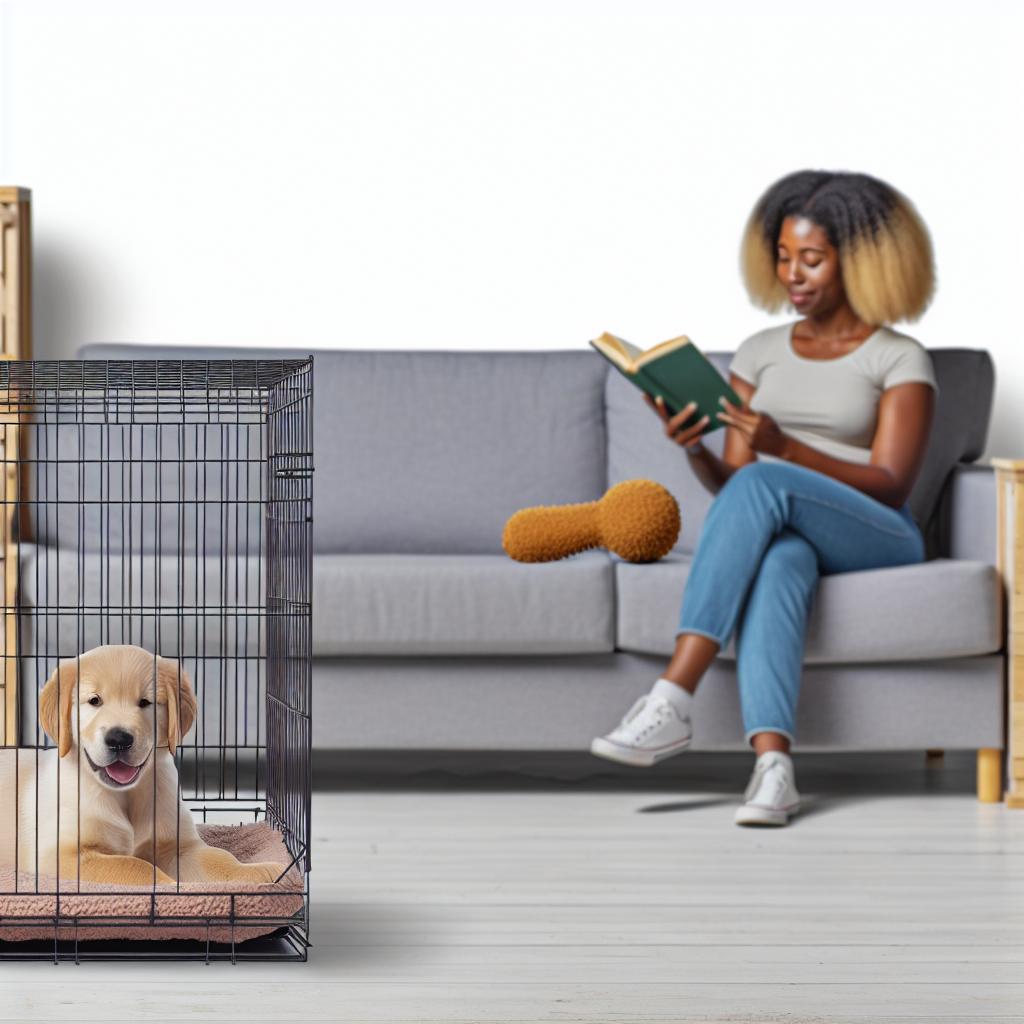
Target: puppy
98,783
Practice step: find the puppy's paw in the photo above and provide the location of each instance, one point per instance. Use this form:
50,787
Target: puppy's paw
261,871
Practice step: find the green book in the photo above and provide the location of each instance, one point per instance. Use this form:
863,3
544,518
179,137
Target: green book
675,369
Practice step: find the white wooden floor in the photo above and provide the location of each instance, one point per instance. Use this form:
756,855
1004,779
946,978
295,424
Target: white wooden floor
451,896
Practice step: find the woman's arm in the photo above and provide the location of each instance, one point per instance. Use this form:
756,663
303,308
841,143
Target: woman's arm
901,439
898,449
713,471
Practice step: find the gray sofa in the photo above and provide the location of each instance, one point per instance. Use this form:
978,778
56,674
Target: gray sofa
426,635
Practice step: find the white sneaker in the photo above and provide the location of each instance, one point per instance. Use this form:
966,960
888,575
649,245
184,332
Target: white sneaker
651,730
771,795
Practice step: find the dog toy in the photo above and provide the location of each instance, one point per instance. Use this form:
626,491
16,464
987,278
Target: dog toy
637,519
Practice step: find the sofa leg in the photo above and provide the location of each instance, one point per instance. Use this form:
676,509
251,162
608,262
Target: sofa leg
990,775
933,754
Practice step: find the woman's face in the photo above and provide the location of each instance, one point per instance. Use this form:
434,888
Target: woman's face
808,265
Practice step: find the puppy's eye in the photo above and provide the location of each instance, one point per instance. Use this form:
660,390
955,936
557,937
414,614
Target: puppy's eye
144,703
95,701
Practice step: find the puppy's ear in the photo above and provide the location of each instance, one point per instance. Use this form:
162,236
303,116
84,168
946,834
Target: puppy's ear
55,703
181,700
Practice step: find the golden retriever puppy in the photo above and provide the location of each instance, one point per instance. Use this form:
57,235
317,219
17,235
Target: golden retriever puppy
111,780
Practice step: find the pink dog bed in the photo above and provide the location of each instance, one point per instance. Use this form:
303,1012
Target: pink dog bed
259,908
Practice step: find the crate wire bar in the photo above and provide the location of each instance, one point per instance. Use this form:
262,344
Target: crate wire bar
168,504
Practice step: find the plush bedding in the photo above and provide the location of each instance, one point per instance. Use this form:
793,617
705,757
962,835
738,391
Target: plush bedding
264,906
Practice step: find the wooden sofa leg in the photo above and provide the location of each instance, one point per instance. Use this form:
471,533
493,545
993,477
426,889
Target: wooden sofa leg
934,753
990,775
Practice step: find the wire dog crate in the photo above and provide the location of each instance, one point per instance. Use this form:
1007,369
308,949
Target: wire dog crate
157,568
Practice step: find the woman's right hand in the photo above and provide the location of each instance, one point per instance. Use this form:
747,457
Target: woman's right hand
688,437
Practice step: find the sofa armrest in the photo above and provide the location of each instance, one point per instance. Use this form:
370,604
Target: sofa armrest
971,513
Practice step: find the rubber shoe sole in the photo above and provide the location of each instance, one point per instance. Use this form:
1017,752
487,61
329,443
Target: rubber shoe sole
604,747
750,814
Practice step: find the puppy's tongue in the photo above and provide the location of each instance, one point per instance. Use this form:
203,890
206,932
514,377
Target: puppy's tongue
121,772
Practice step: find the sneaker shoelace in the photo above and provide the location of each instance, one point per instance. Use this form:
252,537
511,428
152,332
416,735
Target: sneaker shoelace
660,709
761,775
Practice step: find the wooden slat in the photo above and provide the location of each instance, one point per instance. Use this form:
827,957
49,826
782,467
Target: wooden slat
1009,465
1010,562
1016,681
15,343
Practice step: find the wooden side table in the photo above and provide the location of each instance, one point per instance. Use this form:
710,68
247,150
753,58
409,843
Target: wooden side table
1010,562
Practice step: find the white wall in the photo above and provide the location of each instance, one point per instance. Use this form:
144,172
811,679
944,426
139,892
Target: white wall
491,176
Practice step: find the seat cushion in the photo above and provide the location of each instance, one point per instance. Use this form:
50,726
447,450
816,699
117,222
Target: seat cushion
430,452
945,608
462,604
362,604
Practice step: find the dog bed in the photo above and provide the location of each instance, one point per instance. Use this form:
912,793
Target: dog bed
258,908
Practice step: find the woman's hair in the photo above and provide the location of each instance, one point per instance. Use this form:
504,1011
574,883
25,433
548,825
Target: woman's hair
885,252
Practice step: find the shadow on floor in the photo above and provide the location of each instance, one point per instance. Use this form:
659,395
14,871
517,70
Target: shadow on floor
835,774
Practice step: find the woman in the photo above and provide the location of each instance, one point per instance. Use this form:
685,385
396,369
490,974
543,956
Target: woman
817,466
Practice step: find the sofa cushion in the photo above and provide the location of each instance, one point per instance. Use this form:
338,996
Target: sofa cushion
430,452
968,516
209,605
637,447
942,608
462,604
142,487
963,411
362,604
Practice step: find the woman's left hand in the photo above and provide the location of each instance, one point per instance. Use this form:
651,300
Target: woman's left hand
760,430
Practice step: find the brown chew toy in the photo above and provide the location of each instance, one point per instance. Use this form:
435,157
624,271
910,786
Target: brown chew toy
637,519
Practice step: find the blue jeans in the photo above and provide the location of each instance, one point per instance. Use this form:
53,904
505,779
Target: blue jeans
772,529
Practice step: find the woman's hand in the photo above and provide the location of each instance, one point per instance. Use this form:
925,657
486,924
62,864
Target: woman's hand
688,437
761,432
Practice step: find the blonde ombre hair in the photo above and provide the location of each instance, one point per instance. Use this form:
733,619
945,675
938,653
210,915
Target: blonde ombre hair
885,251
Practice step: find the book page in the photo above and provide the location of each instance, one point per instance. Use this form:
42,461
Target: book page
665,346
614,341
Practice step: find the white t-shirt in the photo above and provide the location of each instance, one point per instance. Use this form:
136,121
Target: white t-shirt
829,404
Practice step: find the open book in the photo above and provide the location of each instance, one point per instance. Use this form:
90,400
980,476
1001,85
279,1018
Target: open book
675,369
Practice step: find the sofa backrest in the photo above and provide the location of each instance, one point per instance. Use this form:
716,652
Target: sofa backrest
637,446
963,414
432,451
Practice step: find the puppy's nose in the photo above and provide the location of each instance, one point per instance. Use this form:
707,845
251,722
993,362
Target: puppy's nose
119,739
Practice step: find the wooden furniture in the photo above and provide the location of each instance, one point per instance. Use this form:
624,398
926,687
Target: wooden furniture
1010,562
15,343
